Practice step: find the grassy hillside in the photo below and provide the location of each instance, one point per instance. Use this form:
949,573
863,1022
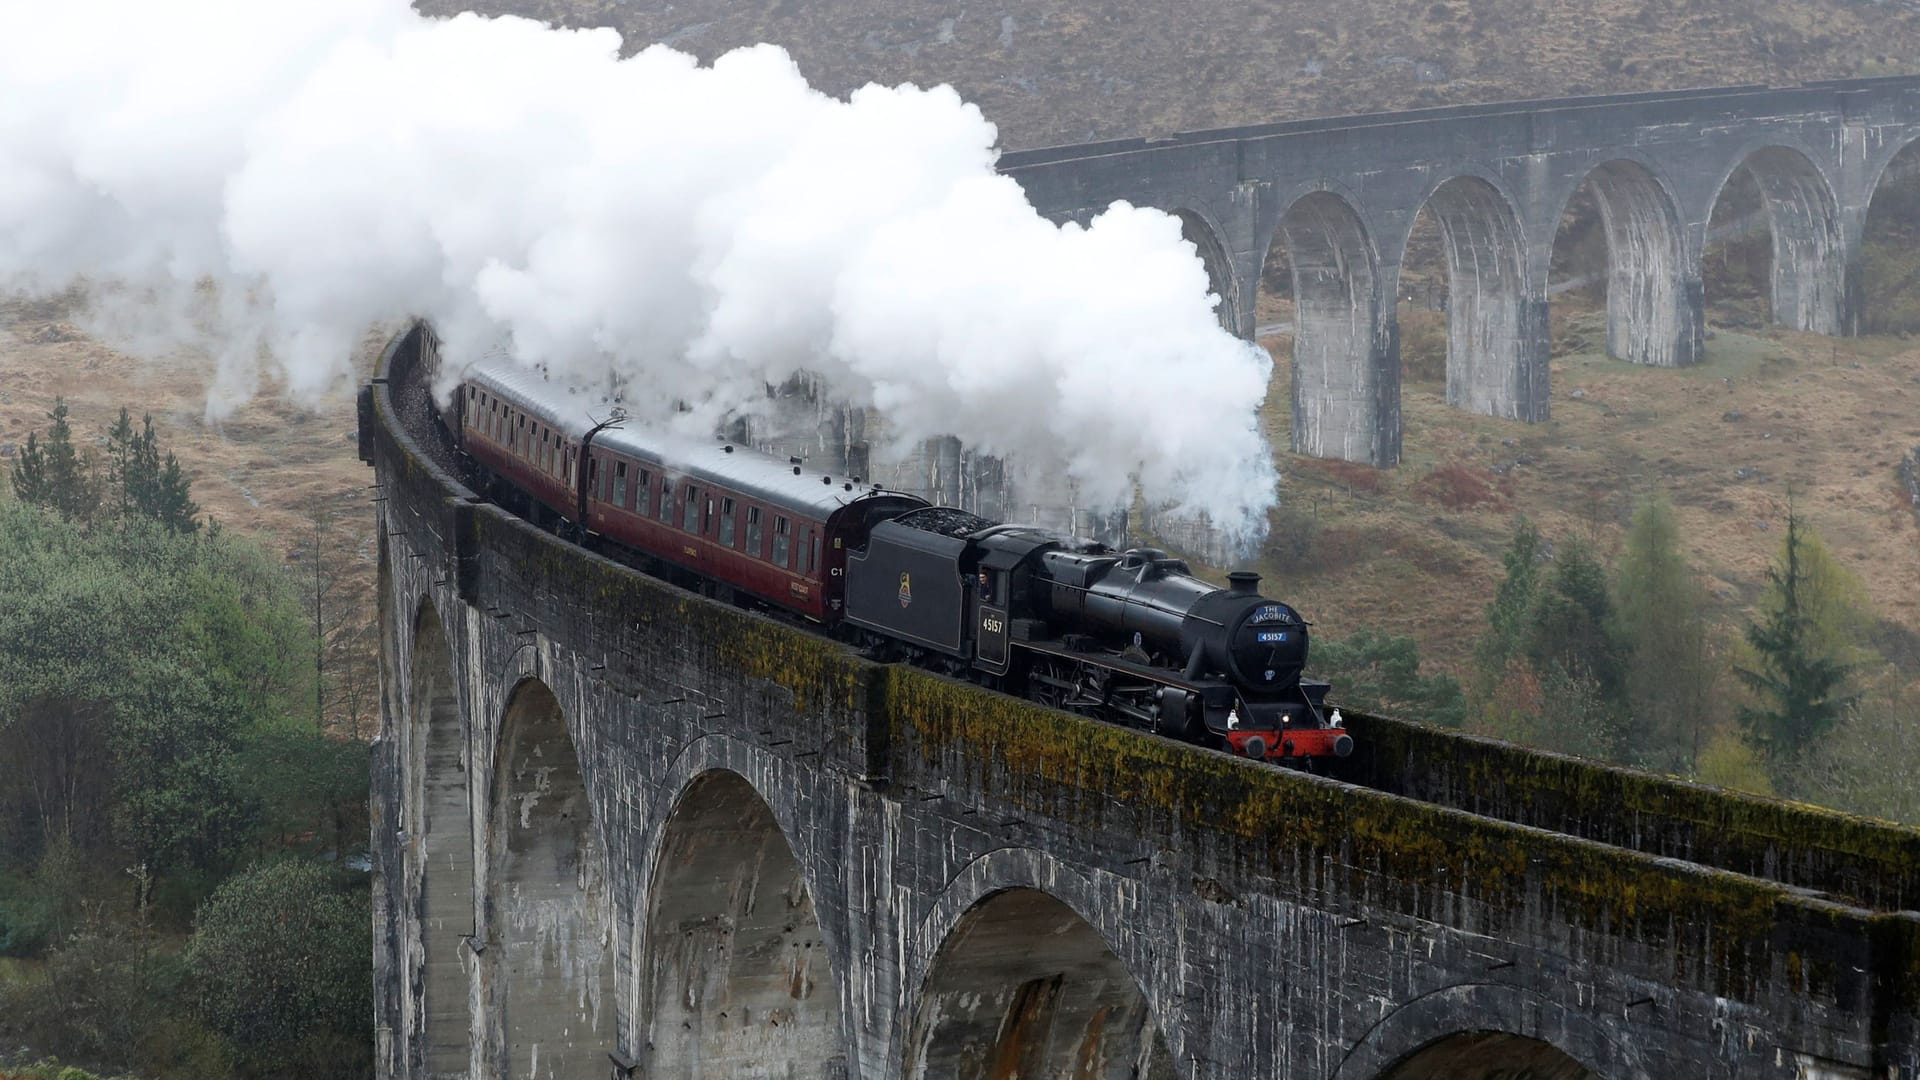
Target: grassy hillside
1416,550
1049,71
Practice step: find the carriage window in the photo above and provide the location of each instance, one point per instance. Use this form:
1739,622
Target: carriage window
620,484
643,493
570,466
809,551
726,522
753,531
593,476
782,540
666,500
690,521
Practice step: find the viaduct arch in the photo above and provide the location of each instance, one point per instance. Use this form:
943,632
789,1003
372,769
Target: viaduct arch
1497,178
706,843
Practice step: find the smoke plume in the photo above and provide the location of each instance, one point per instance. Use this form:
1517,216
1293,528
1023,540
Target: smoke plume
265,180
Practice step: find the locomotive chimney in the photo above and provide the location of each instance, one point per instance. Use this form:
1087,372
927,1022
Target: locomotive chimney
1243,583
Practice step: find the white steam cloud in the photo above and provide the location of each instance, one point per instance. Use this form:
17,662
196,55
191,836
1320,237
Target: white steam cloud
267,179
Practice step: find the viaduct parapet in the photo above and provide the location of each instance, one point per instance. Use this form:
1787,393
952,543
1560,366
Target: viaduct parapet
1342,194
623,831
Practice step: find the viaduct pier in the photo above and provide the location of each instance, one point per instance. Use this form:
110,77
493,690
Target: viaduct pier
624,831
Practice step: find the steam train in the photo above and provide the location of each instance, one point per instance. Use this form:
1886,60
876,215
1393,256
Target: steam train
1129,637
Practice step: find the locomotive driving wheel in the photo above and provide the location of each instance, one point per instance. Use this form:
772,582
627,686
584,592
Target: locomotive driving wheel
1050,682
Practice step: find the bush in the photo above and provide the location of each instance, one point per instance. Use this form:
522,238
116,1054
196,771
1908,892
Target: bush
106,996
283,957
1381,673
1727,761
38,909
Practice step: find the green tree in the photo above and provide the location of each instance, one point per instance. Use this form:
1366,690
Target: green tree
281,955
54,474
143,484
138,660
310,787
29,473
1548,671
1669,671
1800,686
1570,625
1381,673
122,463
172,504
1507,614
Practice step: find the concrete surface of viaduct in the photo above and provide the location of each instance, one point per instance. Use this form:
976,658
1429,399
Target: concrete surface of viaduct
624,831
1342,195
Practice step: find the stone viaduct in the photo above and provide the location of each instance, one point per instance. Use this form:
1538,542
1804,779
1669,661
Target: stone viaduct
623,831
1342,194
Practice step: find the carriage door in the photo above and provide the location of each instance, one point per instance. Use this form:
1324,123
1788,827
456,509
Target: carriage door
990,648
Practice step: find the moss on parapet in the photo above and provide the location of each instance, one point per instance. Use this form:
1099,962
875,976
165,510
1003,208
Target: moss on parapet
1720,928
1867,862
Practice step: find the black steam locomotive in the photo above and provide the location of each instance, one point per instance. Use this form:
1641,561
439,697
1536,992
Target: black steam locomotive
1129,637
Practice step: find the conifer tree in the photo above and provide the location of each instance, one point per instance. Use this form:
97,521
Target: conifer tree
30,473
171,504
142,483
121,445
1801,688
1569,628
53,474
1507,614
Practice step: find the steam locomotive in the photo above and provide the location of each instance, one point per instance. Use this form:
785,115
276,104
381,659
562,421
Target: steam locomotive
1129,637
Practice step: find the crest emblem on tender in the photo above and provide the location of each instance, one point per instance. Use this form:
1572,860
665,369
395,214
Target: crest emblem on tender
906,589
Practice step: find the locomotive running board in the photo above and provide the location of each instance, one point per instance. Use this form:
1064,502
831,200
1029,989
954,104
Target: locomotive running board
1054,647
